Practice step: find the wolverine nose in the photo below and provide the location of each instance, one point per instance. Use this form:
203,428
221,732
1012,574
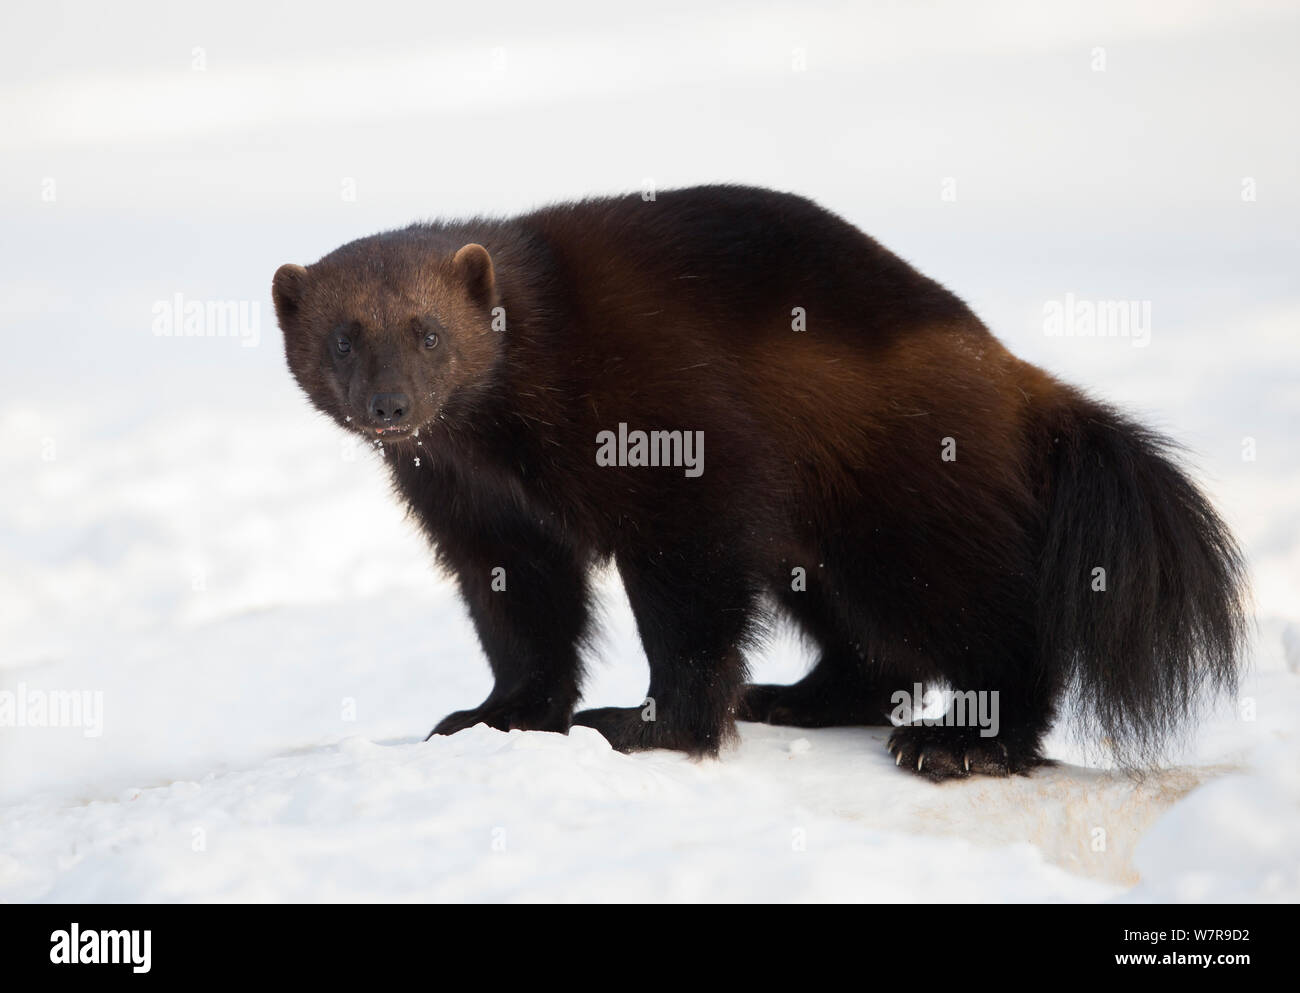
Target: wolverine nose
391,408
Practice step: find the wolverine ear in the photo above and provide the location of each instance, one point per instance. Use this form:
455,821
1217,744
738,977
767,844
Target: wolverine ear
473,266
286,290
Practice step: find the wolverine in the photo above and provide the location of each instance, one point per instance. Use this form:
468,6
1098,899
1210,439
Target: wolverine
925,507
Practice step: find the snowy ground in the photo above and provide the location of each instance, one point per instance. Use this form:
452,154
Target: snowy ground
181,539
260,733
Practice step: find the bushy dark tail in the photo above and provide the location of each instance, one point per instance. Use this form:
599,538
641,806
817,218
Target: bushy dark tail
1170,625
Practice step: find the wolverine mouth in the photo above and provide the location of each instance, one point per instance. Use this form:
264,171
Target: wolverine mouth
390,434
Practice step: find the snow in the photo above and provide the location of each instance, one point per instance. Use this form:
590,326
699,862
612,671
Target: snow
261,733
182,539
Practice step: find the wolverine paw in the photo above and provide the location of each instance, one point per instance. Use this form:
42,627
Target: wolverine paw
758,703
628,729
504,715
796,706
939,753
767,703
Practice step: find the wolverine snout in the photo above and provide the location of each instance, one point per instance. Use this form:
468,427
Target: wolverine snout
390,408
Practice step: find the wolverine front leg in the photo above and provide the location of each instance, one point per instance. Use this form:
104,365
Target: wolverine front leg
693,619
527,596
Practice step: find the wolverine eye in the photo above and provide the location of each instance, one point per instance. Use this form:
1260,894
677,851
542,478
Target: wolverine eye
342,344
430,340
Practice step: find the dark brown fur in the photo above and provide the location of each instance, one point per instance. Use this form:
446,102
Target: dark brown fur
822,452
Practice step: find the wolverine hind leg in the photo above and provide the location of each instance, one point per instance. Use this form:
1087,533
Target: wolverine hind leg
846,686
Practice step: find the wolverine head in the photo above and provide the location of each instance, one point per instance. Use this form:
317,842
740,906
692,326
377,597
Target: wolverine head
385,332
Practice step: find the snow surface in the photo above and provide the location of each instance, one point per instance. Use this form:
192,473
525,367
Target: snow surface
261,734
182,536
